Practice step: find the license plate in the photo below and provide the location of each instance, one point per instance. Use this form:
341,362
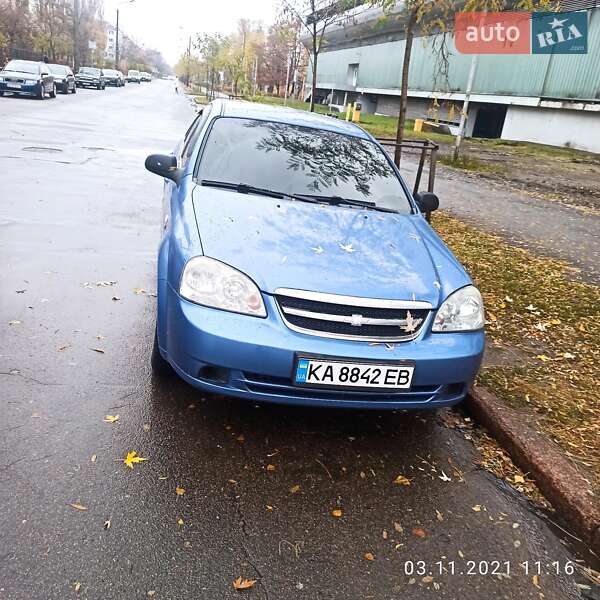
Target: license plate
349,374
14,86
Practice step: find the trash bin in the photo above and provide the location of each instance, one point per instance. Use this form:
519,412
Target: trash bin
356,112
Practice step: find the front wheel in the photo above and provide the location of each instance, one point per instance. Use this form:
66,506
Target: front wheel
74,90
53,92
42,94
159,365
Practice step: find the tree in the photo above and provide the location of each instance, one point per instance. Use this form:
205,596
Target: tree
430,16
316,16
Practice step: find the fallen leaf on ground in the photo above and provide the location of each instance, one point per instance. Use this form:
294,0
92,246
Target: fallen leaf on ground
337,512
401,480
179,521
369,556
438,515
111,418
536,580
78,506
107,524
115,298
94,457
180,491
77,586
98,350
519,479
294,489
132,458
271,467
444,477
243,584
418,532
476,508
240,438
14,322
543,357
139,291
427,579
61,348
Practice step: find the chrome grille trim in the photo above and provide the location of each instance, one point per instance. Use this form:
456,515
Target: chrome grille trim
353,300
342,318
350,302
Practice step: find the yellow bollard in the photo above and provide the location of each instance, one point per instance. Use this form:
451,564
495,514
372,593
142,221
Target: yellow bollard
419,125
348,111
356,112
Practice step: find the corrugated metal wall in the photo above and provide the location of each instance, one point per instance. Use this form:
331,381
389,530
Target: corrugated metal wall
550,76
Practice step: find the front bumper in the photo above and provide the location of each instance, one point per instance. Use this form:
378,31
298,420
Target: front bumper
26,89
87,83
249,357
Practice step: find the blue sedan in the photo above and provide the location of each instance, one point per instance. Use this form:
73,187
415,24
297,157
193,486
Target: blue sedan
295,266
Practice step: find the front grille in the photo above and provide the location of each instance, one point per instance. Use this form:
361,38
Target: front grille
14,80
351,318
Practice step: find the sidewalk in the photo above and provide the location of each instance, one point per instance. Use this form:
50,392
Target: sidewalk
547,228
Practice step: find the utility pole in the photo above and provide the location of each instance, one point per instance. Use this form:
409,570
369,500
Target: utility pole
189,53
465,109
287,80
117,43
76,35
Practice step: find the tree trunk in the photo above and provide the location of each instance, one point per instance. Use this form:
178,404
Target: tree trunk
314,82
410,26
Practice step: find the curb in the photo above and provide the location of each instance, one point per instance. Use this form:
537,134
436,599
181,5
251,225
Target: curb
560,482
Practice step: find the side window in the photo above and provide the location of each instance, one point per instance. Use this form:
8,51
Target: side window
193,134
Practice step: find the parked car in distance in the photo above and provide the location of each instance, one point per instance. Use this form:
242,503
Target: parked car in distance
289,271
112,77
122,78
90,77
145,76
63,78
27,78
133,76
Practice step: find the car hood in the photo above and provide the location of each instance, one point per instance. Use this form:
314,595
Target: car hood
19,74
332,249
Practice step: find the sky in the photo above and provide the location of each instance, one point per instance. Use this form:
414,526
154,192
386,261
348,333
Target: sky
167,24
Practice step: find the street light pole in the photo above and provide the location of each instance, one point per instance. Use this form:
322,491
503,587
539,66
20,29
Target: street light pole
117,43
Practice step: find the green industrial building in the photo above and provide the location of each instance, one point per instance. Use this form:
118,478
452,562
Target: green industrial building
546,98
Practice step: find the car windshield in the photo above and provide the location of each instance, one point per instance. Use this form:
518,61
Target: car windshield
23,66
57,69
89,71
302,161
133,73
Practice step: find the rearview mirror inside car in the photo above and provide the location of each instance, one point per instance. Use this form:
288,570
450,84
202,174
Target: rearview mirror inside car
427,201
164,165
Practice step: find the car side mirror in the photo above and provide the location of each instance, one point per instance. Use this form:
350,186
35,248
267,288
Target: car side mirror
164,165
427,201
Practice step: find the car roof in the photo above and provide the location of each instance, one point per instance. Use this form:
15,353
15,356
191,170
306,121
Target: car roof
291,116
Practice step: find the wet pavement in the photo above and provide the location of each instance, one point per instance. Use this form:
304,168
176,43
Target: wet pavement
80,223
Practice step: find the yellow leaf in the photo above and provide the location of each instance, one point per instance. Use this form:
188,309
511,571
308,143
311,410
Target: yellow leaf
476,508
427,579
337,512
243,584
107,524
271,467
536,580
519,479
555,322
132,458
94,457
111,418
418,532
139,291
77,586
240,438
294,489
369,556
269,507
401,480
543,357
180,491
179,521
78,506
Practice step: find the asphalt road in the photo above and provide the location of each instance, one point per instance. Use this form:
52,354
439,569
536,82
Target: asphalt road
77,208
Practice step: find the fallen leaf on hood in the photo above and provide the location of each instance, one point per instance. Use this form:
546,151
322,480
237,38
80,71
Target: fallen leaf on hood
139,291
318,250
243,584
419,532
111,418
401,480
98,350
337,512
14,322
180,491
347,248
133,458
369,556
78,506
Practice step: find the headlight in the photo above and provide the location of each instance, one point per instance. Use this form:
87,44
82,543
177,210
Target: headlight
461,311
58,81
212,283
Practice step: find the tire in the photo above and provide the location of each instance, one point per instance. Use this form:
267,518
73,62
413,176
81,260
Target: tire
74,90
160,367
1,94
53,92
99,86
42,94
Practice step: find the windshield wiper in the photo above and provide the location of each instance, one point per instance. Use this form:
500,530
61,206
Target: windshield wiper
242,188
339,201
